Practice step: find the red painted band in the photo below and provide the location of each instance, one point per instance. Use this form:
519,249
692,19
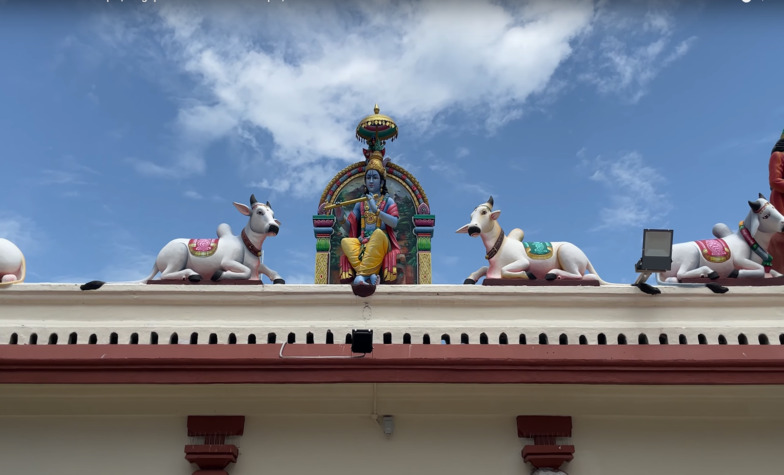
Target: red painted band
393,363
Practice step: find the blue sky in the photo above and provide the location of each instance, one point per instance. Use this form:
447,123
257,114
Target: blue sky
126,124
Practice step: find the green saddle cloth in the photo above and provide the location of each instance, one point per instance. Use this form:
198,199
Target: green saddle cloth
538,249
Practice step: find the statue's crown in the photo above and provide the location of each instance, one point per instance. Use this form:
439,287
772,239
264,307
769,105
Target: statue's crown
376,162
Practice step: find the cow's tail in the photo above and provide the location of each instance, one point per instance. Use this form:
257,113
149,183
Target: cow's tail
593,271
153,272
97,284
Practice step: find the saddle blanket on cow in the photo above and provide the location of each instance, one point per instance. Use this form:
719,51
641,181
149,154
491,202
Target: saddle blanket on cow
203,247
538,250
714,250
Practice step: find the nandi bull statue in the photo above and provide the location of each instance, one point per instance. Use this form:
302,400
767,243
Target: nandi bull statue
738,254
12,263
511,258
229,256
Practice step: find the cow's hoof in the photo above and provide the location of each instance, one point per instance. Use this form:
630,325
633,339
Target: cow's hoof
216,275
278,281
713,275
716,288
734,274
92,285
469,282
194,278
530,275
550,276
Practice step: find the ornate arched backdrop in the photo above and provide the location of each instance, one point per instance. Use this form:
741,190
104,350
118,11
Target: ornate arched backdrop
414,230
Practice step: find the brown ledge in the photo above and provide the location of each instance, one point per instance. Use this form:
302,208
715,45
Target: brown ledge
393,363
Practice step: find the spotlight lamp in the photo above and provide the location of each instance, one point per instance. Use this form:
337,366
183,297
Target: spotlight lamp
361,341
656,257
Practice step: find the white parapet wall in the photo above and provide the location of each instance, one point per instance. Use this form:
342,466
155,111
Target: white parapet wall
122,314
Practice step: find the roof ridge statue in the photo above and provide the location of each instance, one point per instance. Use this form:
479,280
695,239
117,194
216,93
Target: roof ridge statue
12,264
511,258
740,254
373,223
224,258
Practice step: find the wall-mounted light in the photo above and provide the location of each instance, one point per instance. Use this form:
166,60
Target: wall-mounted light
656,257
388,424
361,341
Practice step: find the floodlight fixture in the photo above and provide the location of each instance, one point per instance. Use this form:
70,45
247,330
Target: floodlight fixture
656,257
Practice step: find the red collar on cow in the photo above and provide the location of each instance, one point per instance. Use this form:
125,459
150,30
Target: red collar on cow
494,250
255,250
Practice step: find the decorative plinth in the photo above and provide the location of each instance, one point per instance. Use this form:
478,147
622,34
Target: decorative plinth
542,282
211,459
205,282
363,290
548,456
728,282
214,455
546,453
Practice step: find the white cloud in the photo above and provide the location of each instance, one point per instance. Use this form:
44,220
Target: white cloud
20,231
305,76
194,195
72,173
632,50
635,197
454,177
147,168
61,177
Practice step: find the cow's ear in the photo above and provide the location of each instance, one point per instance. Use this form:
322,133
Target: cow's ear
463,230
242,208
494,214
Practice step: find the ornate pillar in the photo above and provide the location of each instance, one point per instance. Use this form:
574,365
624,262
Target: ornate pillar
546,454
214,454
322,228
423,228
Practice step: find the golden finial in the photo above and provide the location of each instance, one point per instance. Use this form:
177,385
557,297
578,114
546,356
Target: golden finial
376,109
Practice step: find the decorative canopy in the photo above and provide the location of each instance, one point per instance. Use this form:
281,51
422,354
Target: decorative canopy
376,129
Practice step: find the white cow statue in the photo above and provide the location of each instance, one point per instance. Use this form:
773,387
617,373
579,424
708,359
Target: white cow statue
509,258
738,254
229,256
12,263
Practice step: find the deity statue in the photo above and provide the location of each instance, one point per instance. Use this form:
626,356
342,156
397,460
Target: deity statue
776,179
370,227
373,223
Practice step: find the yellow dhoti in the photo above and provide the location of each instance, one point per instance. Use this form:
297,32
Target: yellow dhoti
373,256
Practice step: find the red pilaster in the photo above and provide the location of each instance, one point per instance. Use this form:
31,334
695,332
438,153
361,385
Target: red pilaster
546,453
214,455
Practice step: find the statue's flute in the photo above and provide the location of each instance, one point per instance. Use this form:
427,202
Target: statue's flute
346,203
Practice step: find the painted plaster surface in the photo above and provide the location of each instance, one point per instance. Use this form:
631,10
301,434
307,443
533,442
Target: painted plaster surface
434,310
290,430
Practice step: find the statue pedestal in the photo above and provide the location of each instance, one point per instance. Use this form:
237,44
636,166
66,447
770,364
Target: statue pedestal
541,282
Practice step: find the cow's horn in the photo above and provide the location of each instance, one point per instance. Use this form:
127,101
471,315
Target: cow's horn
490,201
269,205
253,200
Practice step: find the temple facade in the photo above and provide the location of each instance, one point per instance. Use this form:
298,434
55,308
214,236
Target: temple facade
166,379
